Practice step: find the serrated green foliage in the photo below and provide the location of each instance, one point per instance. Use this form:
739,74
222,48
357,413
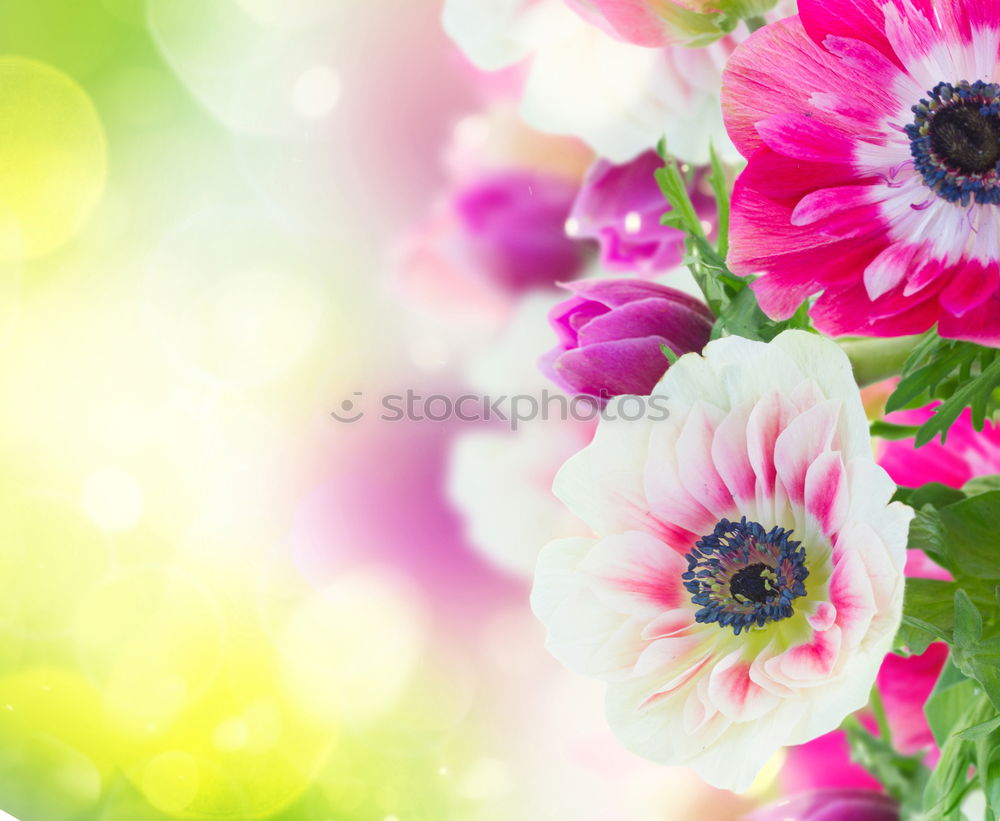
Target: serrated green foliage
958,529
961,374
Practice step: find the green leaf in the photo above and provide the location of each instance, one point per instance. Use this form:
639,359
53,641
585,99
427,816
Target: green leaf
981,484
975,393
969,535
890,432
961,374
968,621
720,188
980,730
933,493
916,635
668,352
927,534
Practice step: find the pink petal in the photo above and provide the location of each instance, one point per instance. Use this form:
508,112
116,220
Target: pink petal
807,663
800,444
889,268
735,694
767,420
774,73
694,461
636,573
826,491
669,499
824,617
849,310
802,138
856,19
825,202
911,34
960,18
851,593
732,461
980,325
971,285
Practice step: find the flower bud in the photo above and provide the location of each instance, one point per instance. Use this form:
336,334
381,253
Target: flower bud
620,206
831,805
612,332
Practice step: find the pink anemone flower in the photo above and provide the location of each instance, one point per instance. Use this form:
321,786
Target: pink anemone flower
745,580
872,131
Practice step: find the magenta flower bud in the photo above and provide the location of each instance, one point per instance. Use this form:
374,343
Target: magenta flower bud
831,805
620,206
513,230
611,333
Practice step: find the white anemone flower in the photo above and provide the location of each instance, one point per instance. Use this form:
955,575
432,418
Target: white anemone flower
746,578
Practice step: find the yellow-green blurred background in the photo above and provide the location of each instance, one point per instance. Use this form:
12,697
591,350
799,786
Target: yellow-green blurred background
216,603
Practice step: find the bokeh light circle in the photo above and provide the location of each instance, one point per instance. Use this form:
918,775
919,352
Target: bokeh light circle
53,158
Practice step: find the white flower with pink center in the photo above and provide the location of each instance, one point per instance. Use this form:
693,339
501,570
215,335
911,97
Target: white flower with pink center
746,576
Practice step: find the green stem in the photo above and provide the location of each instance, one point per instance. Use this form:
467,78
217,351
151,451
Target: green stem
876,359
754,23
878,708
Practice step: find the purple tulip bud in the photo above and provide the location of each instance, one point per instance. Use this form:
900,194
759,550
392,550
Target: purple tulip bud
513,226
831,805
612,332
620,206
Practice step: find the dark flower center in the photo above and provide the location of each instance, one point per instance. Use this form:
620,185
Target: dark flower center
744,576
967,139
753,583
955,141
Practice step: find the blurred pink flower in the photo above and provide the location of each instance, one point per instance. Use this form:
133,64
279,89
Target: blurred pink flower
493,240
611,333
620,206
967,453
831,805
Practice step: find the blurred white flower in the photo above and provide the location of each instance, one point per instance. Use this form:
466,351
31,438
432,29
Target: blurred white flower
618,98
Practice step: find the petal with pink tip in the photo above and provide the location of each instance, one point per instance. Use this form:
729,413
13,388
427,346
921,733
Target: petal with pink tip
729,453
971,285
694,461
636,573
809,663
851,593
735,694
802,441
826,491
775,72
669,498
856,19
889,268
